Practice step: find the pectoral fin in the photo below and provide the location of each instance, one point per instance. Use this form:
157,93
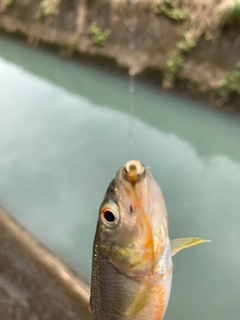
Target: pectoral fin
140,301
183,243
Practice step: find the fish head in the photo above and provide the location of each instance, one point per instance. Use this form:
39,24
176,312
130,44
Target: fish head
132,225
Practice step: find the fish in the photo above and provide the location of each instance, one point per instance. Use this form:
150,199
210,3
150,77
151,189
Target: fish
132,253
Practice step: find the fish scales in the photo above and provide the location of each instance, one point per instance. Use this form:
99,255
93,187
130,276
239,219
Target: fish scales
111,297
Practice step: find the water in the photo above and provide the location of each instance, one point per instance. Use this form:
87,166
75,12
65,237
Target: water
64,133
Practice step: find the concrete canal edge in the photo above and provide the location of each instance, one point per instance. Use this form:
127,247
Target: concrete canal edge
35,284
189,46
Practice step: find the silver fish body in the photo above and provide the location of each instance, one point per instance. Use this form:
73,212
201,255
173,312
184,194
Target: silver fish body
136,284
132,253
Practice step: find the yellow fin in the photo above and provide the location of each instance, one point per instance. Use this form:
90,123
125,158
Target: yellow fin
140,302
183,243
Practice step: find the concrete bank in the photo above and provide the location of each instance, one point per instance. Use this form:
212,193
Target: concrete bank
170,42
34,284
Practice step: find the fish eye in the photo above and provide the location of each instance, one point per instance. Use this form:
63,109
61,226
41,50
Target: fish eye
110,215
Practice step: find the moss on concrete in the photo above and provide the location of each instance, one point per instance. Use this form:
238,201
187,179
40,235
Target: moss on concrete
98,36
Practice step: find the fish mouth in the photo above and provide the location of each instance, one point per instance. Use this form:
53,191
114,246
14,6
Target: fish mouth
134,171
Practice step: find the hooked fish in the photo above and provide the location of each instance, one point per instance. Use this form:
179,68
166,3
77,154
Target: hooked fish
132,253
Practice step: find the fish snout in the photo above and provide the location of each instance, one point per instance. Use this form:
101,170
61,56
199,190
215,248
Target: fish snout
134,171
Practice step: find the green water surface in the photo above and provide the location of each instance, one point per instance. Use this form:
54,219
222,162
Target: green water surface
63,135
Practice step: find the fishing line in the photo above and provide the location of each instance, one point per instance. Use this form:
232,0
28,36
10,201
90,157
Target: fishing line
131,25
131,113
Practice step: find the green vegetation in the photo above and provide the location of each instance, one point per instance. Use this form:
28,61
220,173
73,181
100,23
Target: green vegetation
174,64
193,28
98,36
47,8
177,57
9,3
230,82
230,14
207,36
186,45
171,10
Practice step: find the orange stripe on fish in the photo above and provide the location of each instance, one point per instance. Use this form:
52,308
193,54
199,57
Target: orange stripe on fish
145,224
159,306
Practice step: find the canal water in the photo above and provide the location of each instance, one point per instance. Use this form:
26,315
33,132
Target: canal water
63,135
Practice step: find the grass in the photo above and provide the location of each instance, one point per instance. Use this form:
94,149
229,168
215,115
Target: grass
98,36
